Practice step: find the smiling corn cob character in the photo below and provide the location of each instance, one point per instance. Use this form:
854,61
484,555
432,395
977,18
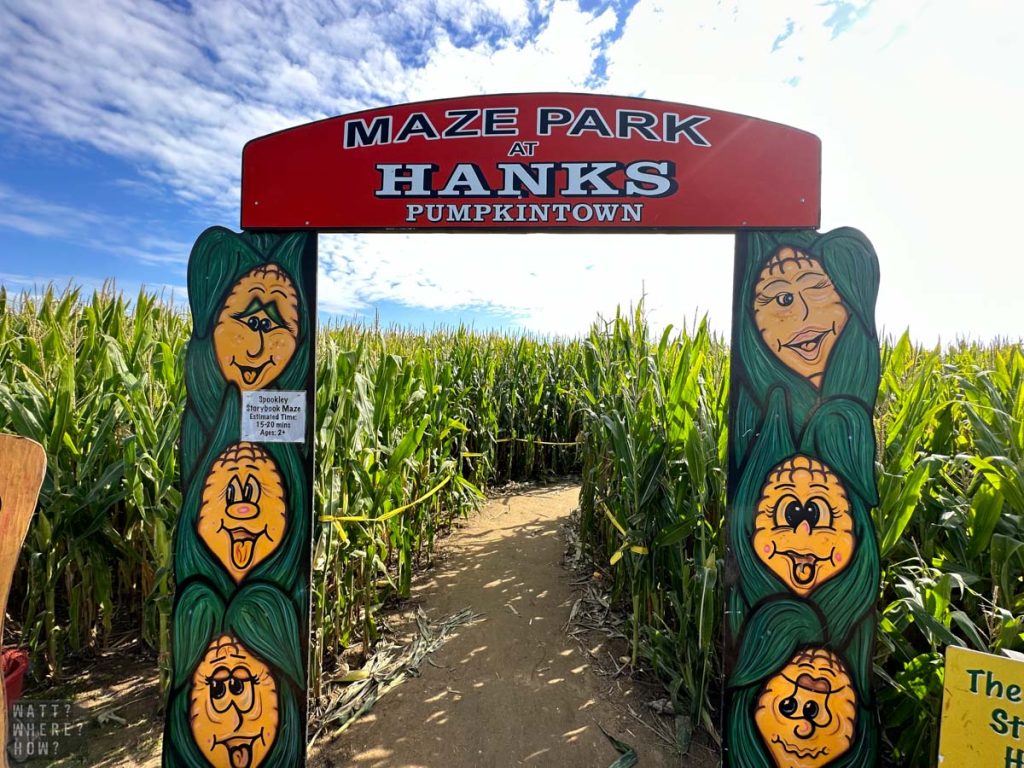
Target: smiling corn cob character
807,712
803,529
257,329
243,516
233,705
798,312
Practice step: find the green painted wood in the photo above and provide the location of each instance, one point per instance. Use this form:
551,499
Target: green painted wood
802,564
242,545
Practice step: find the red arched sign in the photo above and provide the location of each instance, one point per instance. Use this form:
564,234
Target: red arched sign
537,161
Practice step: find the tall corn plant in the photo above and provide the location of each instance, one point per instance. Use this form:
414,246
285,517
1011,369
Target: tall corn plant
654,490
408,429
949,522
411,425
99,386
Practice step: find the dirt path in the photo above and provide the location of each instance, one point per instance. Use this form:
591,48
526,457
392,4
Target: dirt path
511,689
514,689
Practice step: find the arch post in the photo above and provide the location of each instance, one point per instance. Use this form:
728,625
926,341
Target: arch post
242,546
802,562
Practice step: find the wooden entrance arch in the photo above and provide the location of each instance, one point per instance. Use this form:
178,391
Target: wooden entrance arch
802,563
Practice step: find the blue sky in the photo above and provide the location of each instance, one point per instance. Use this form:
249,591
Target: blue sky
122,123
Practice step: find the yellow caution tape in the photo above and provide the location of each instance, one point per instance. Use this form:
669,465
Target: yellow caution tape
535,442
387,516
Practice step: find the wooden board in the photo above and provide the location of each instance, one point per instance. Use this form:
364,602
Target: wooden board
242,547
982,710
22,468
802,567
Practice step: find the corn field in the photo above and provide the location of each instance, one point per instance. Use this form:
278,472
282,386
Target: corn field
411,427
99,382
950,467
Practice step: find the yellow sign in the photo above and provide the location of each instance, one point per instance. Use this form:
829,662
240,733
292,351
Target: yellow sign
982,711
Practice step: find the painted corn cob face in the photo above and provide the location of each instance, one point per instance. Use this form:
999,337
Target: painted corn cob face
243,516
798,312
806,714
803,530
233,706
256,333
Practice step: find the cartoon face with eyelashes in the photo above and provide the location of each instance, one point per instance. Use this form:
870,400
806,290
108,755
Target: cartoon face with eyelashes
807,713
233,706
803,530
798,312
243,515
257,330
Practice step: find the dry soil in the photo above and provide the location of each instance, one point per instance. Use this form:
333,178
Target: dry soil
513,689
510,689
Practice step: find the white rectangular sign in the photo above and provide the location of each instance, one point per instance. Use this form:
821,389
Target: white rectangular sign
274,416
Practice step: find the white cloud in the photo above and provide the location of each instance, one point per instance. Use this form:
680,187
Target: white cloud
181,92
559,58
914,101
84,226
545,283
39,217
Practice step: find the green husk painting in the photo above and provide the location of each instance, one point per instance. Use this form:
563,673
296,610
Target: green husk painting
803,563
241,552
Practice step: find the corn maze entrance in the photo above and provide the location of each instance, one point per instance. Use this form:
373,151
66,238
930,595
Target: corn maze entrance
802,566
